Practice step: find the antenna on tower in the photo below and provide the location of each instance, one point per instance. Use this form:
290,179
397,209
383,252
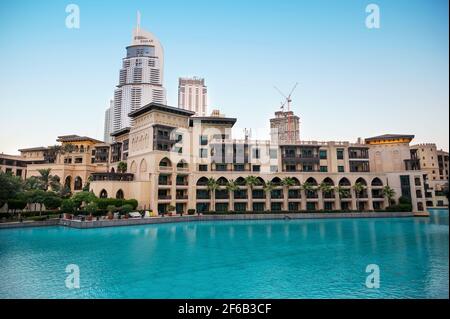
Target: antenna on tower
138,24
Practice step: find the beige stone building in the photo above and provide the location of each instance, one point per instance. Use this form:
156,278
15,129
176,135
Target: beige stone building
171,155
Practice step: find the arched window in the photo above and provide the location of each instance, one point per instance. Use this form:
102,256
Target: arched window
328,181
103,194
68,182
113,170
240,181
362,181
276,181
377,182
78,185
344,182
311,181
182,164
165,162
296,181
203,181
119,194
222,181
261,182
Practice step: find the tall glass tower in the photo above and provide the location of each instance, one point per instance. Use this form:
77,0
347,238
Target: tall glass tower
141,77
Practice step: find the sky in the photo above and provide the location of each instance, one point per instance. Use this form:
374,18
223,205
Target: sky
353,81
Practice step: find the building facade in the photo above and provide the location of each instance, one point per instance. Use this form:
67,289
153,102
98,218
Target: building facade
141,77
192,95
109,122
171,154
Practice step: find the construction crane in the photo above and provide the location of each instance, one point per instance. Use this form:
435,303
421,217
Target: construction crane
288,114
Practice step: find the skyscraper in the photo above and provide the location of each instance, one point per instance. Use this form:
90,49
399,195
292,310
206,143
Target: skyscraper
285,127
192,95
109,116
141,76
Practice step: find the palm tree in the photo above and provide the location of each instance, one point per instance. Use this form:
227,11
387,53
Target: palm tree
307,188
212,186
251,181
122,167
343,193
288,182
268,188
232,186
358,188
325,188
49,180
388,193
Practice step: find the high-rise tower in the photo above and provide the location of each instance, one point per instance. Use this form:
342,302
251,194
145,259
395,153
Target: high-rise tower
192,95
141,76
109,122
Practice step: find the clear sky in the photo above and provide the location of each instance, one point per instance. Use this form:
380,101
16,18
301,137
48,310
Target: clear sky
353,81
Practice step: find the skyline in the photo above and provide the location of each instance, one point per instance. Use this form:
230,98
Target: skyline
348,74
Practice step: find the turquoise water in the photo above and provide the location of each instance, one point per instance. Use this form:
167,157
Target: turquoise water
232,259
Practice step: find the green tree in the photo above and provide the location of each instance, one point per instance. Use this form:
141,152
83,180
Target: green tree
10,186
212,186
251,181
52,201
91,208
358,188
83,198
307,188
232,187
33,183
67,206
269,187
325,188
389,194
48,180
122,167
16,204
343,193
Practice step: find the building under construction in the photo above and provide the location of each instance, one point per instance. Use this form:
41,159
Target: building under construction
285,128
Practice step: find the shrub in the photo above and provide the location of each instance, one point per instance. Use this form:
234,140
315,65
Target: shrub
91,208
125,209
52,202
67,206
132,202
14,204
111,208
191,211
83,197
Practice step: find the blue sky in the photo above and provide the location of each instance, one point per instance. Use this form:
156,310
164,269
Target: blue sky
353,81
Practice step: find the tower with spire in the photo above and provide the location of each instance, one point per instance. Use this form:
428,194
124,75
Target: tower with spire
141,76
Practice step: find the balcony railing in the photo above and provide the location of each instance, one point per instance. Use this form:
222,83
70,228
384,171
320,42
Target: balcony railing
164,196
123,177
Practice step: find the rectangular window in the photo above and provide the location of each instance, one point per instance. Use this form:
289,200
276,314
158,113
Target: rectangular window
323,154
203,140
203,152
203,168
273,153
256,168
341,169
324,169
256,153
340,154
273,168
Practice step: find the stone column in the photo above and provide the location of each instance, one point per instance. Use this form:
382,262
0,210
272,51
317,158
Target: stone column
285,198
354,204
370,198
320,193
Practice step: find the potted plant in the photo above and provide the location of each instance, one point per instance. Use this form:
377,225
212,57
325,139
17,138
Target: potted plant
111,209
171,210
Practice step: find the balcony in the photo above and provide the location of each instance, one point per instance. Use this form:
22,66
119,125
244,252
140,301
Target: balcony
164,197
122,177
182,196
329,195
